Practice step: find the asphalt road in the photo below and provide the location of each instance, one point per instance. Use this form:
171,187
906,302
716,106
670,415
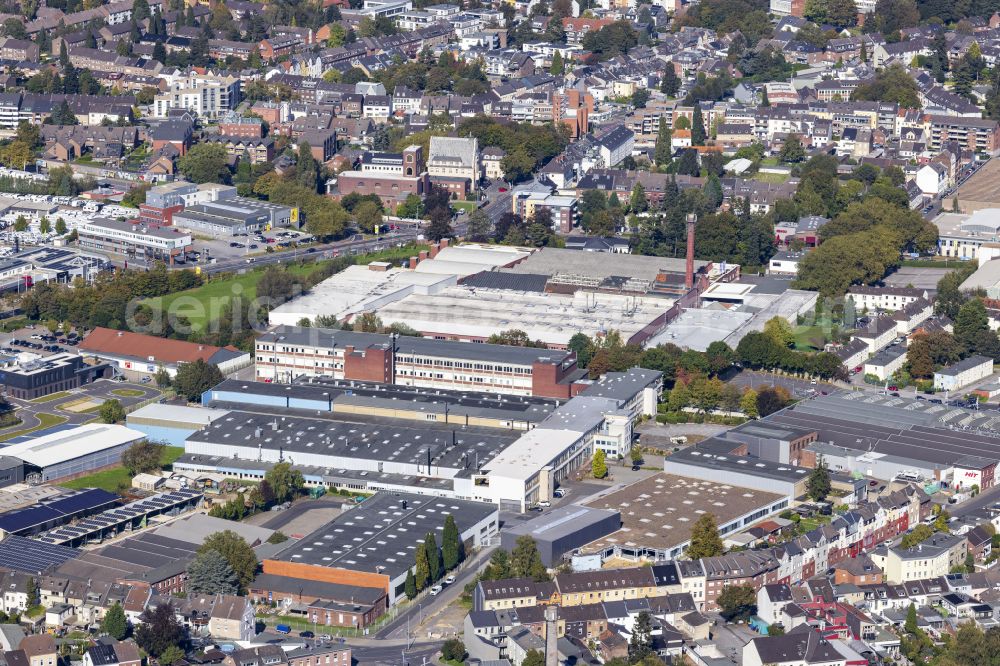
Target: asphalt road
799,388
425,605
393,655
100,391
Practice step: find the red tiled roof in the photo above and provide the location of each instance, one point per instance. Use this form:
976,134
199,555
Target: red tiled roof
161,350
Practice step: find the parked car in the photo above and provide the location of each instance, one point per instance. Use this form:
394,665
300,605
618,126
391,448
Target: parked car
559,492
283,629
449,580
307,634
436,590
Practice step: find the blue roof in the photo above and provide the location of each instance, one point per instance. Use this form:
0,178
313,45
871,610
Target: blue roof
61,508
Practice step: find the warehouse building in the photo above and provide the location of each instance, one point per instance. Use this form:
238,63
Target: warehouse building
461,408
52,512
965,372
559,532
74,452
171,424
657,514
135,354
373,545
883,436
291,352
713,460
236,215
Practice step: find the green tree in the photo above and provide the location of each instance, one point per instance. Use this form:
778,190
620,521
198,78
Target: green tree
697,127
284,481
599,466
143,456
453,650
792,150
410,587
533,658
972,320
306,167
670,85
737,602
112,411
526,561
891,84
237,553
277,536
640,644
114,623
210,573
663,151
451,544
61,226
638,202
205,163
480,226
557,67
818,484
422,571
635,454
193,379
780,331
705,539
433,557
918,534
162,378
172,655
911,620
21,223
44,226
748,404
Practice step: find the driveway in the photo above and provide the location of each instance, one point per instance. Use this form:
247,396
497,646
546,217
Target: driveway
98,392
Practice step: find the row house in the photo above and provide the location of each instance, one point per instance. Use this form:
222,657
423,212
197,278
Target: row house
259,150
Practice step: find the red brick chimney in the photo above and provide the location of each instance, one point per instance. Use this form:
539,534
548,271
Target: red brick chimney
689,269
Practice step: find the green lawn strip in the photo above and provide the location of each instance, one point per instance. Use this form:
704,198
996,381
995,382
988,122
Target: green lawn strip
52,396
44,421
118,477
128,393
205,303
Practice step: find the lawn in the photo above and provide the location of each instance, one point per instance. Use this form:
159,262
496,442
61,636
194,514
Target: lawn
44,421
467,206
203,304
118,477
774,178
128,393
53,396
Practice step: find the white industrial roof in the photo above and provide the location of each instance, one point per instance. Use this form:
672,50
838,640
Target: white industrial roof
179,413
354,290
530,452
65,445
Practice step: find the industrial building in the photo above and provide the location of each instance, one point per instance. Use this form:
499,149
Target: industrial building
134,240
713,460
135,354
171,424
459,408
74,452
373,545
236,215
884,436
510,451
559,532
54,511
292,352
49,374
657,513
26,555
361,289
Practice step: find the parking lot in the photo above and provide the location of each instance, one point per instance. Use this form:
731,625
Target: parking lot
38,340
248,245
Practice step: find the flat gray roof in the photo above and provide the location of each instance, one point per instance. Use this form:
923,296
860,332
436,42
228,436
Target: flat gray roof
382,533
351,436
561,522
550,261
